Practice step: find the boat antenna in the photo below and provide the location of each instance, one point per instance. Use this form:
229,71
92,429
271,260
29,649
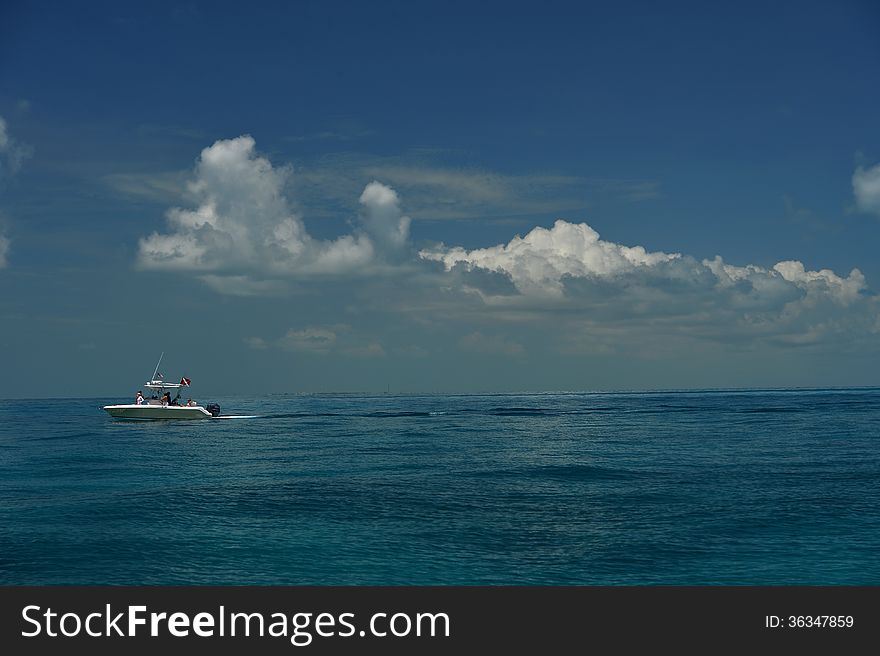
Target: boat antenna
157,367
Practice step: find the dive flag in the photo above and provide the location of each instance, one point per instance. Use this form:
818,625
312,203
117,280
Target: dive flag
185,382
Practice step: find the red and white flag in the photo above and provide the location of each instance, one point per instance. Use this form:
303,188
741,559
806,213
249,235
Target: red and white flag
185,382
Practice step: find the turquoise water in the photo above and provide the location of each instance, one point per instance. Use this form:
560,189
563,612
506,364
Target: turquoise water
756,487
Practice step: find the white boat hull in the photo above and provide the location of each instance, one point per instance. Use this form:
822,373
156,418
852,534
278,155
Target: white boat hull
132,411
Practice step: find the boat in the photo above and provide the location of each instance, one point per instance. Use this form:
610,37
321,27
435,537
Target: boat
159,404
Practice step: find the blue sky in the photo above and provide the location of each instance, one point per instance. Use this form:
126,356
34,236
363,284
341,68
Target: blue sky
320,196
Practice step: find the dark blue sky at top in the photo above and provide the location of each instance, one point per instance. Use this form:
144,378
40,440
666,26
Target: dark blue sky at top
749,118
730,107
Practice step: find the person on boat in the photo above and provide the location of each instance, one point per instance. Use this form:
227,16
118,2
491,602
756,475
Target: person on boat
166,398
139,399
190,403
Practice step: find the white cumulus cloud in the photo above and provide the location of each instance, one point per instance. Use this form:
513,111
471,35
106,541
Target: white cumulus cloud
544,261
866,188
244,225
825,282
383,218
242,236
569,273
538,262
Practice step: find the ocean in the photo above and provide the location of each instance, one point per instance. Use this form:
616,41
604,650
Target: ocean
762,487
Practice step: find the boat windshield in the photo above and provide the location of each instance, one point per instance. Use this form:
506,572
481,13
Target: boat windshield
159,385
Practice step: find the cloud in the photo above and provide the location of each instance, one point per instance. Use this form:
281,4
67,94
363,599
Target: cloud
331,135
434,191
411,351
371,350
234,285
153,131
538,262
477,342
243,225
866,188
567,278
241,235
4,250
842,291
321,340
383,219
12,153
310,340
256,343
169,186
471,186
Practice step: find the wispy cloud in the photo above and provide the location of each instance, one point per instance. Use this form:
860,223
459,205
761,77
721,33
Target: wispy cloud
321,340
4,250
164,187
256,343
477,342
12,153
331,135
243,285
173,131
411,351
435,192
312,339
866,188
12,156
371,350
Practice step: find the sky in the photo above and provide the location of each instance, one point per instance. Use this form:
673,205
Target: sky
443,196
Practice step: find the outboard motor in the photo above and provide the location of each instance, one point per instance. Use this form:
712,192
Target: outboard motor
214,409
